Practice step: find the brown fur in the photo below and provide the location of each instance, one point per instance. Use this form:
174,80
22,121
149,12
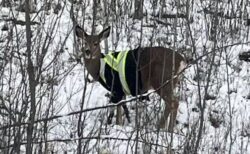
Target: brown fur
156,73
155,64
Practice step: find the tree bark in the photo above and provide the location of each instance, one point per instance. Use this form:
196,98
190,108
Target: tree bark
138,9
32,81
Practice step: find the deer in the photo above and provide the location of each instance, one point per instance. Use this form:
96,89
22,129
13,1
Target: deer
156,68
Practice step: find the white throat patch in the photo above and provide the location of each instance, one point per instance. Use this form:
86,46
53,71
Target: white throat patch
102,70
89,56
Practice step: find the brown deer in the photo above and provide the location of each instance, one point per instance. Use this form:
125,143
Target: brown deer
146,68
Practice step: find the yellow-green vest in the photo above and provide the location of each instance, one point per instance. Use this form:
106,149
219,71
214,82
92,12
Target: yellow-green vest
118,64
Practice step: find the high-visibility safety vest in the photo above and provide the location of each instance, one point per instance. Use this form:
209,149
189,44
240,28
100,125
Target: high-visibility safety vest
120,75
117,62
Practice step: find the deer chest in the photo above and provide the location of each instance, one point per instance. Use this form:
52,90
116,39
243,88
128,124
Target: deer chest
119,72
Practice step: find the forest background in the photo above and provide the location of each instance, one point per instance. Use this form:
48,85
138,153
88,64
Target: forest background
47,104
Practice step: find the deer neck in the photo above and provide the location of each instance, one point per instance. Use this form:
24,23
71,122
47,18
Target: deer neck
93,67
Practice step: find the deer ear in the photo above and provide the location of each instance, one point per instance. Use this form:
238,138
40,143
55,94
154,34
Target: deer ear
80,32
104,34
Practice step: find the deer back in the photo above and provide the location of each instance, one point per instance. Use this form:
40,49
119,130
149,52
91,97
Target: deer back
158,65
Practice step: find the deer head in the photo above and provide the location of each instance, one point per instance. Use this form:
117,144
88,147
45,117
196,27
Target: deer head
92,48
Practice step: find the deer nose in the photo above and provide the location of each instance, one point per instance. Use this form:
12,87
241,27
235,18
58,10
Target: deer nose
87,51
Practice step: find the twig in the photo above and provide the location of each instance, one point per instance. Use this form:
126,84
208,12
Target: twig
86,138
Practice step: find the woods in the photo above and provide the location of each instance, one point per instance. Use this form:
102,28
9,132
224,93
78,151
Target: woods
50,104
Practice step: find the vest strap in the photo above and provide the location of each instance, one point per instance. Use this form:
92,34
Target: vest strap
118,64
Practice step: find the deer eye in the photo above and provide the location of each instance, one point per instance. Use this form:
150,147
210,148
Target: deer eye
95,44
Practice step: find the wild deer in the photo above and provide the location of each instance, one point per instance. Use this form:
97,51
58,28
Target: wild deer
134,72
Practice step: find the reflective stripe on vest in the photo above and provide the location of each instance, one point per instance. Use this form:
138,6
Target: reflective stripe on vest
118,64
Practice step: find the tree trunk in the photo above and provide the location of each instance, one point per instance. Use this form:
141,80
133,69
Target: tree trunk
32,82
23,6
138,14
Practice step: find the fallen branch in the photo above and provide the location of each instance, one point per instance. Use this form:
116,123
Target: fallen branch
21,22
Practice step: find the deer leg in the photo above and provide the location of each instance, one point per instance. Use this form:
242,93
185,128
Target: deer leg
126,111
173,114
164,117
110,116
170,111
115,98
165,94
112,113
119,115
171,107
